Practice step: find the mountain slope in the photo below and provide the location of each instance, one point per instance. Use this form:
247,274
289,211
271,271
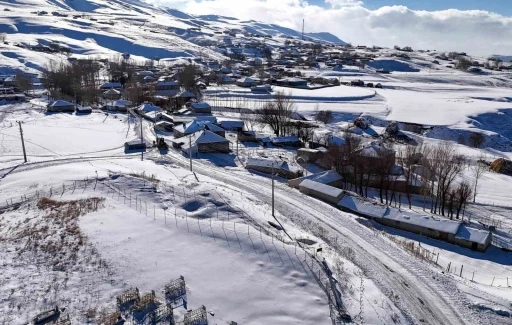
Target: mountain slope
109,27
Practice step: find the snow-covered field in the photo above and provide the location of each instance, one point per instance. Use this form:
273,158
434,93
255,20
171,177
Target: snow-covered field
154,220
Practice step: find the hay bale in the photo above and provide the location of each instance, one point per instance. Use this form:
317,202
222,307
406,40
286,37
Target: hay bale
502,166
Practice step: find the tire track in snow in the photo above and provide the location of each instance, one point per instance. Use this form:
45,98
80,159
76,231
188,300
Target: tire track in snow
435,301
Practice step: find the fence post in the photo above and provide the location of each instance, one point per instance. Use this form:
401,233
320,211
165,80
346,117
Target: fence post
473,276
461,268
165,217
492,280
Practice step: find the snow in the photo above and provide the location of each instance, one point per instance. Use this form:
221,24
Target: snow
200,105
362,206
323,177
262,162
473,235
424,221
60,103
321,188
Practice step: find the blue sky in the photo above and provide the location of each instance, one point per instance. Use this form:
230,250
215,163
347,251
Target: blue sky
503,7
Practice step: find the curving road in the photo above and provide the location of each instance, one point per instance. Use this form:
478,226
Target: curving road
424,295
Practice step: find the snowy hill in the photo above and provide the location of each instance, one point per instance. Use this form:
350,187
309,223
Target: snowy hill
108,28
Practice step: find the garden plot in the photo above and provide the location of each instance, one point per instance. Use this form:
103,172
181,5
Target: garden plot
62,134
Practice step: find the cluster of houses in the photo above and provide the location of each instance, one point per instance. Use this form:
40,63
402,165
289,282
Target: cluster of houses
9,92
326,186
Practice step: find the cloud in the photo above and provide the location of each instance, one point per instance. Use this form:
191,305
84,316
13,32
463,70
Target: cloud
474,31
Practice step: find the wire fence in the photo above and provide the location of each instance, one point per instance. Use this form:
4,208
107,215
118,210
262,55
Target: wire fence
221,226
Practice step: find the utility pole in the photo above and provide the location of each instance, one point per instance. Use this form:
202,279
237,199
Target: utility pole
302,28
141,140
22,142
273,189
237,143
190,151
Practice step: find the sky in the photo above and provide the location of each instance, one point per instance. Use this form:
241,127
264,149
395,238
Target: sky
479,27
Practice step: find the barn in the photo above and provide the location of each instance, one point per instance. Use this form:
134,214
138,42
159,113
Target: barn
201,108
61,106
321,191
330,177
203,141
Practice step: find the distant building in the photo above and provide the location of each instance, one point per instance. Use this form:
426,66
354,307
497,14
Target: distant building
201,108
61,106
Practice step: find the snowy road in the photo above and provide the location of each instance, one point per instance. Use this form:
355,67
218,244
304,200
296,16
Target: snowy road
424,295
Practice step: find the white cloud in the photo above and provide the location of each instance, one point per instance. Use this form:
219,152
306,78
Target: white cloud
475,31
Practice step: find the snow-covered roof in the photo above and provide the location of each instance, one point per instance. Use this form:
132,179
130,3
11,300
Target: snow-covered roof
167,83
231,124
374,150
324,177
321,188
121,103
112,92
473,235
197,125
359,205
246,80
263,162
148,107
425,221
185,94
60,103
200,137
202,105
285,139
145,73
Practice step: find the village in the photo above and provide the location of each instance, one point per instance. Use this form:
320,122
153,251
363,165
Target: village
336,170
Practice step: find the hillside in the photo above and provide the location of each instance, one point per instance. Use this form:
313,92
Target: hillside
109,28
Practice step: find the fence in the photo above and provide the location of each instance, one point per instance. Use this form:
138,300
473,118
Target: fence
220,227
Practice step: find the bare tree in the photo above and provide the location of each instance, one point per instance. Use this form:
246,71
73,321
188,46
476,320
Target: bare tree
278,113
250,119
187,78
24,82
409,156
3,37
477,170
462,195
476,139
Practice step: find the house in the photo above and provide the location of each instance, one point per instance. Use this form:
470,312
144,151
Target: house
247,136
167,88
195,126
112,94
360,206
331,178
148,107
164,126
247,82
321,191
292,82
474,239
134,145
83,110
271,166
374,152
291,141
232,125
201,108
143,74
358,83
203,141
61,106
120,105
309,155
